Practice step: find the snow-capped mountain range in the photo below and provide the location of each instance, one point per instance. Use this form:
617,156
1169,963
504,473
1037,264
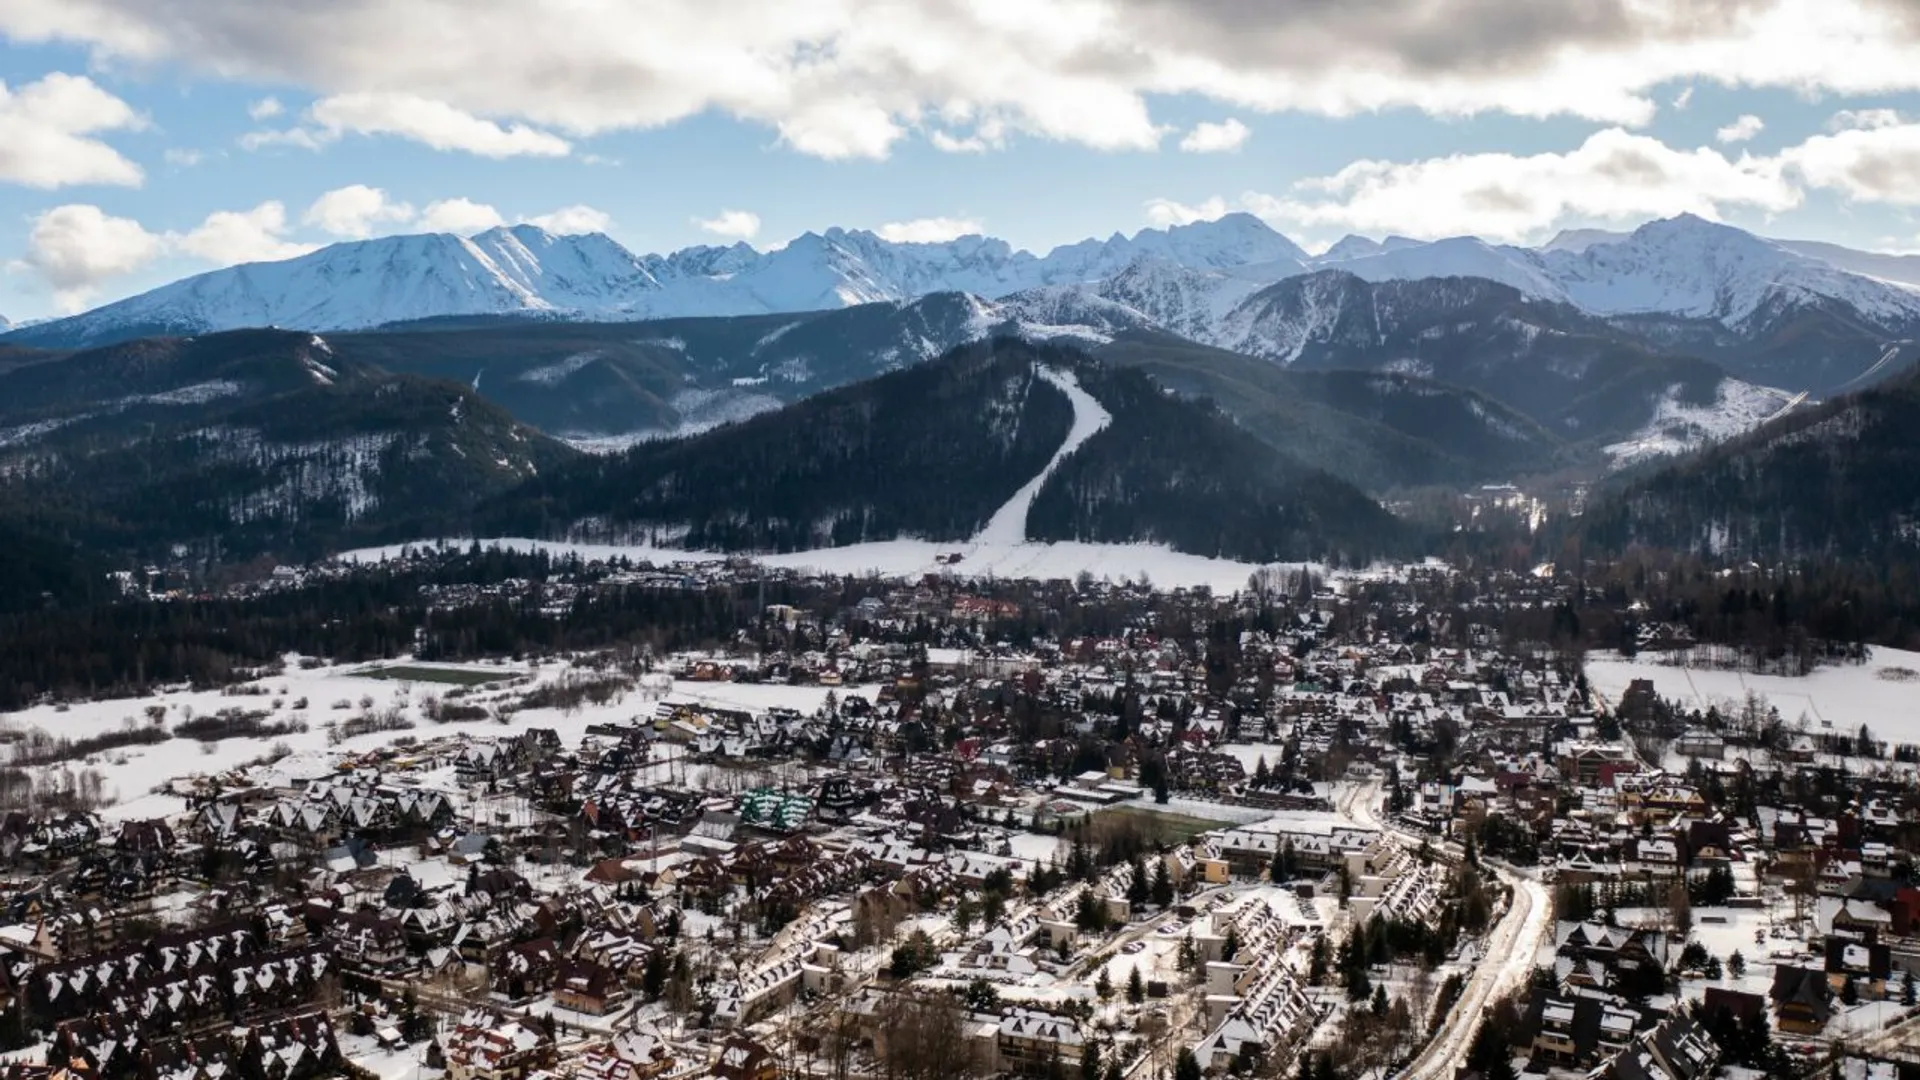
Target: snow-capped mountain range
1188,279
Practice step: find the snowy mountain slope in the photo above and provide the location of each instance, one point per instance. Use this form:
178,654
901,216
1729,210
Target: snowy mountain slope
1581,377
1460,256
525,271
1149,293
1692,268
1678,425
371,282
1899,269
1769,313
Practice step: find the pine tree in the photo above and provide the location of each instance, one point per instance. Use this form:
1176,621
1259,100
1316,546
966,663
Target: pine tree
1136,987
1186,1066
1090,1060
1162,884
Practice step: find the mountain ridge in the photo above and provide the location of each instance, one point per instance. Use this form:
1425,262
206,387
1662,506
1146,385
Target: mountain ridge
1707,287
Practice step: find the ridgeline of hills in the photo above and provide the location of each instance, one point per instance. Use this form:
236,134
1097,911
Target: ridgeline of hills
931,452
245,444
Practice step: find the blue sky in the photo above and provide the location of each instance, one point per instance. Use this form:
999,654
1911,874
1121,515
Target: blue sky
137,146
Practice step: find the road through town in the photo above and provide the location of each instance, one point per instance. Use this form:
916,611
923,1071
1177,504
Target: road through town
1507,958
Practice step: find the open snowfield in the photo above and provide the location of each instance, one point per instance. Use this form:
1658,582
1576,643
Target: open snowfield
1840,698
909,559
130,774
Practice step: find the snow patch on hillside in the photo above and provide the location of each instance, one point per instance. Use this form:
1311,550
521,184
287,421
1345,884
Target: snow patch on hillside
557,372
197,394
1680,426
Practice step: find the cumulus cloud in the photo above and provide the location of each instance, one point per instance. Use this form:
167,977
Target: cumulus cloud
48,134
1614,175
850,78
461,216
927,230
1162,213
573,220
355,211
1746,127
1210,138
76,247
433,123
1849,119
266,108
182,157
227,237
1879,163
732,224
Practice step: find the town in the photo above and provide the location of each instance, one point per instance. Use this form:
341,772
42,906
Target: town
1331,828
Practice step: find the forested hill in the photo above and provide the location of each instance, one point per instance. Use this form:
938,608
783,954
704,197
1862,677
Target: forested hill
1841,481
236,446
932,451
1174,471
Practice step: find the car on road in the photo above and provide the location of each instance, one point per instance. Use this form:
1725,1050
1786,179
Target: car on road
1132,947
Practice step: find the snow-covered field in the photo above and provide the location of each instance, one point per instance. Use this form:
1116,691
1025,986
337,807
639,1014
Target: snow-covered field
129,775
1883,693
1026,560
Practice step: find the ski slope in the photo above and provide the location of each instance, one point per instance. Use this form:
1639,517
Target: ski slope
1008,525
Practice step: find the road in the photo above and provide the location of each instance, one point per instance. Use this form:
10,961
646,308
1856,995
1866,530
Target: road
1509,949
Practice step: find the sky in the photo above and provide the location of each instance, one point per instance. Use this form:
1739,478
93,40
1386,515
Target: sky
145,140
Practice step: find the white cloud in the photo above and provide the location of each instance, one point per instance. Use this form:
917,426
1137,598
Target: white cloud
1163,213
572,220
1849,119
1741,130
1683,98
300,138
266,108
848,78
47,129
76,247
227,237
462,216
1210,138
433,123
732,224
1614,176
928,230
355,211
1878,163
182,156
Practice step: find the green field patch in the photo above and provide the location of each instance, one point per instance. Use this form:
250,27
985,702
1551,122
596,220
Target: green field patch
1174,828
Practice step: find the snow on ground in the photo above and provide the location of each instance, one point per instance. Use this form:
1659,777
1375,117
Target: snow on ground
130,774
1678,426
1035,848
1883,693
1027,561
